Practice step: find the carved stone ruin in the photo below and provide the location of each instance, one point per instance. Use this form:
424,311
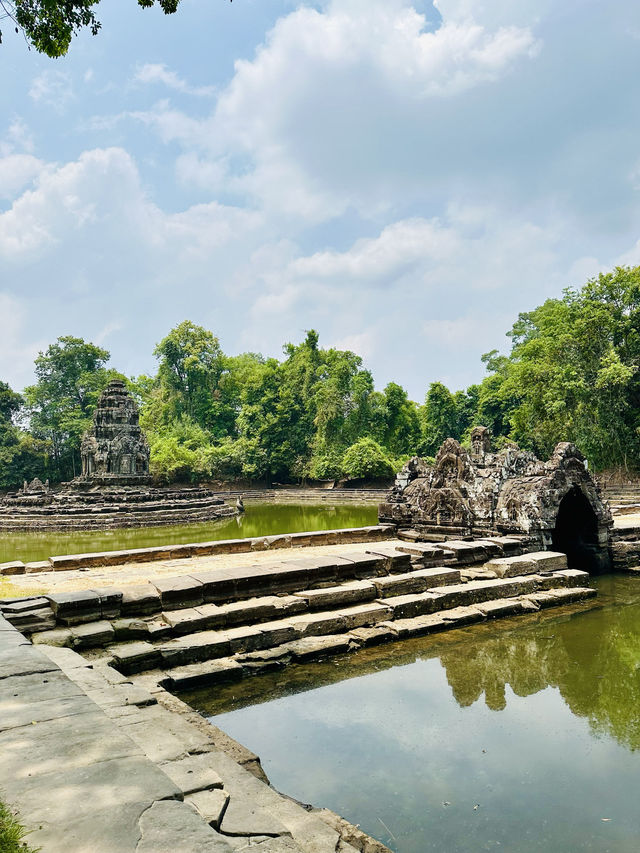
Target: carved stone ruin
477,493
115,451
114,489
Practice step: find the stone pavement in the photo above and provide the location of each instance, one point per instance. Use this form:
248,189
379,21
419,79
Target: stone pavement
129,574
96,764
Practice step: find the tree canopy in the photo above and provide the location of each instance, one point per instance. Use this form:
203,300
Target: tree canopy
50,25
572,375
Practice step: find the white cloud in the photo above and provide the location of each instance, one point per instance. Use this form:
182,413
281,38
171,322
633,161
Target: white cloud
152,73
302,126
52,88
16,171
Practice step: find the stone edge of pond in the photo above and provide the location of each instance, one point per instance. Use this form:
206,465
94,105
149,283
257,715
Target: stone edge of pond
148,767
69,562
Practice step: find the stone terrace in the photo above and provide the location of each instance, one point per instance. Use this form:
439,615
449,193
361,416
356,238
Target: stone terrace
217,622
99,754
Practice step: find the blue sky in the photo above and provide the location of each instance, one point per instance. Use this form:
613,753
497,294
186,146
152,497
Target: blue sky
405,177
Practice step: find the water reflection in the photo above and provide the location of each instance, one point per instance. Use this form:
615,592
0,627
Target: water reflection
260,519
528,729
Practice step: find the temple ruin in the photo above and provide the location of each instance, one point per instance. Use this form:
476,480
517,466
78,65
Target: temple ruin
114,488
114,450
478,493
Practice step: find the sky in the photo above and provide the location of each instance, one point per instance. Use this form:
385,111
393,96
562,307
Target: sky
405,177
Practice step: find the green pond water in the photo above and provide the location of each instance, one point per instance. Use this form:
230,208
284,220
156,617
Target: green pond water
260,519
519,735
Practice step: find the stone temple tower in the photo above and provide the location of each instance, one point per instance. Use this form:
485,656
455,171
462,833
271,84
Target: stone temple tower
115,450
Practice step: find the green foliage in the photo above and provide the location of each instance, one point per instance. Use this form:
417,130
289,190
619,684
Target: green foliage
365,459
49,25
70,376
446,415
572,374
12,833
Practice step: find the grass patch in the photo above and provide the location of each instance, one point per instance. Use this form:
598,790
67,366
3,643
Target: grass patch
12,833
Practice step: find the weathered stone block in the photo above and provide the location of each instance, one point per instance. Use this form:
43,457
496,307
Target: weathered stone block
92,634
56,637
315,647
140,600
37,619
373,636
217,586
15,567
501,607
110,601
408,606
38,566
135,657
205,645
548,561
334,596
201,674
178,592
73,608
510,567
192,773
210,805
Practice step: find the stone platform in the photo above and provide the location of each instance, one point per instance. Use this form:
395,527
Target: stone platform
96,763
97,752
110,507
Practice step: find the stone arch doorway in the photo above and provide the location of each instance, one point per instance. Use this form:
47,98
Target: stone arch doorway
576,534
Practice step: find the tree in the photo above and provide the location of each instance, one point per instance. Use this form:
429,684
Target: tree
367,460
439,418
70,376
190,373
573,373
49,25
21,456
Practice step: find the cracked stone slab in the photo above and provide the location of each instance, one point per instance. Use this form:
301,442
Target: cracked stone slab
210,805
193,773
95,832
68,794
22,660
168,827
243,817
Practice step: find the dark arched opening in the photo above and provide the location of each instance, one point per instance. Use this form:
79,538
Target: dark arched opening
576,534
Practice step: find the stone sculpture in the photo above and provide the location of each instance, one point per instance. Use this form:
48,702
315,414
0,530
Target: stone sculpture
115,450
478,493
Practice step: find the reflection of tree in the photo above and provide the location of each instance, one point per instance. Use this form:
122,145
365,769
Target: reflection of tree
592,658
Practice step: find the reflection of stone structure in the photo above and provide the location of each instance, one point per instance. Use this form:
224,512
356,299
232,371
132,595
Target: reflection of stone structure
115,450
465,493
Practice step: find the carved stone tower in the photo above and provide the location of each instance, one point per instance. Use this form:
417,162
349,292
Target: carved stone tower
115,450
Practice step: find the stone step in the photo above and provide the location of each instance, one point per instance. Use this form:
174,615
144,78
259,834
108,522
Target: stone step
473,592
527,564
322,646
448,601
